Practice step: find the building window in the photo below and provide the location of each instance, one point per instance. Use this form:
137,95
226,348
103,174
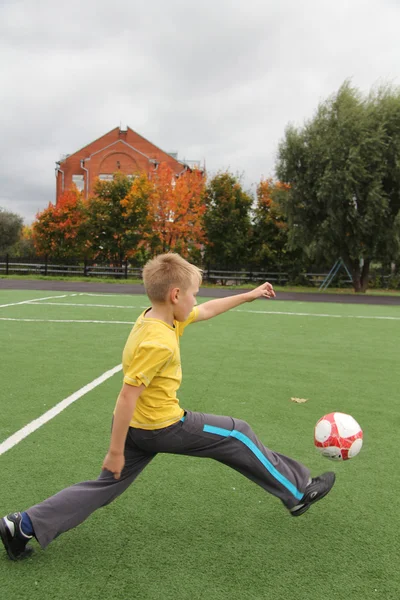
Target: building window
79,182
106,177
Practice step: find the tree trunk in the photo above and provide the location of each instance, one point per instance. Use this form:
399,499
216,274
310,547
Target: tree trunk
355,273
360,275
365,275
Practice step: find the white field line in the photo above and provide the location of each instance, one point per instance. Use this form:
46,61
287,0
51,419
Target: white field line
67,321
298,314
17,437
91,305
34,300
101,295
385,318
262,312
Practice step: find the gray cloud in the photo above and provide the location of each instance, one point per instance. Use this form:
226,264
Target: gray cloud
215,80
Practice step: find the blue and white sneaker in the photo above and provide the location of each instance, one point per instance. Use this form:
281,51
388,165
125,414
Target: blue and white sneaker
317,489
14,540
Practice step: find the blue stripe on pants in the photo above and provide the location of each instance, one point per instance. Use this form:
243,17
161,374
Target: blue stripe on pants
251,445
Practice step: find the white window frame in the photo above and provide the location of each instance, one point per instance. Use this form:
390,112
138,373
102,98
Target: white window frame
79,182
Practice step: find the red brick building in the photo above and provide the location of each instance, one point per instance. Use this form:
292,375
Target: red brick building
118,150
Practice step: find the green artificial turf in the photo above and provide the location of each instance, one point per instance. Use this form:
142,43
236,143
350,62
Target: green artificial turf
192,529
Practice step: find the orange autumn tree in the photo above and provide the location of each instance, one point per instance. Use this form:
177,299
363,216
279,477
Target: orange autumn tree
176,209
59,230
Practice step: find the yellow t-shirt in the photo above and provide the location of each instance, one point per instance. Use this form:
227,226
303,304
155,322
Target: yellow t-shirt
151,357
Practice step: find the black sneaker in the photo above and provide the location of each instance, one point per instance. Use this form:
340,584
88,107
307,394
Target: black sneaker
316,490
15,542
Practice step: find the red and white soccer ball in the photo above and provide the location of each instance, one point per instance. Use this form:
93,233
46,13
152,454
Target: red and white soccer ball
338,436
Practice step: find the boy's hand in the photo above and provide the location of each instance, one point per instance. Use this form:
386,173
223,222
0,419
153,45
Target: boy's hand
263,291
114,463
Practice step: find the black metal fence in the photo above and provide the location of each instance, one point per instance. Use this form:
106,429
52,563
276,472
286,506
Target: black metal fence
78,267
128,270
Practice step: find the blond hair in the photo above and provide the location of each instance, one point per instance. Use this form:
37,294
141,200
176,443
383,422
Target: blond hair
166,271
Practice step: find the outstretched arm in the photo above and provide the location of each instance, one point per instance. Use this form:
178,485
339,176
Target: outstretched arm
212,308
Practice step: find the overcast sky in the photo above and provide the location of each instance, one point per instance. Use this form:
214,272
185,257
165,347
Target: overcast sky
215,80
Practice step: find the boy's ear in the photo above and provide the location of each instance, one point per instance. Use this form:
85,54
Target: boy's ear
174,295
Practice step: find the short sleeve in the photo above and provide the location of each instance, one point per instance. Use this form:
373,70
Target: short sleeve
191,319
148,360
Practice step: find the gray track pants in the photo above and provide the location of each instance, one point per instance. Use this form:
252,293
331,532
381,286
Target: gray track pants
227,440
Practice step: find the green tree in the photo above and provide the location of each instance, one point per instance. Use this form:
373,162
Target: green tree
343,167
270,227
227,221
117,217
10,229
24,246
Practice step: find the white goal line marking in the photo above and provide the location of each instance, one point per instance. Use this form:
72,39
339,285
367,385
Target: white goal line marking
33,300
17,437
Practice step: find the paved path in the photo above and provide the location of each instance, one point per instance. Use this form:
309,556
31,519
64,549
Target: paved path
115,288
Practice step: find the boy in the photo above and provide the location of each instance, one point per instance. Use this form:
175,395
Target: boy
148,418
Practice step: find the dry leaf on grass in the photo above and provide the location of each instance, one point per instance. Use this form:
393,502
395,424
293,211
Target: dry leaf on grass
299,400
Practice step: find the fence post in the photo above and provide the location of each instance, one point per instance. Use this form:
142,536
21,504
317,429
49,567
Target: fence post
45,265
6,264
85,268
126,268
